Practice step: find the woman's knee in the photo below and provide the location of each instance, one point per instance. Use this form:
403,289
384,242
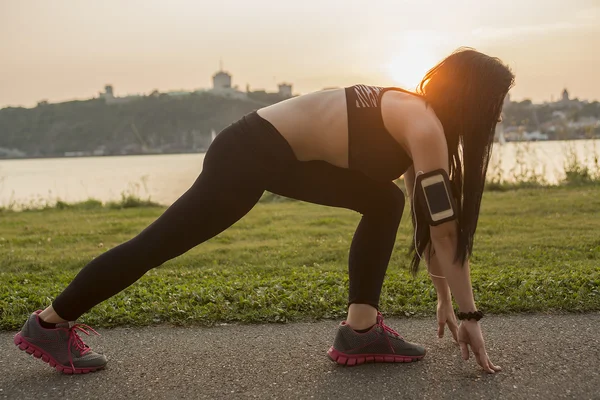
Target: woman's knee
396,202
388,202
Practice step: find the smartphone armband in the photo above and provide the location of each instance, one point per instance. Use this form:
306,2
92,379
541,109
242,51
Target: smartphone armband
434,193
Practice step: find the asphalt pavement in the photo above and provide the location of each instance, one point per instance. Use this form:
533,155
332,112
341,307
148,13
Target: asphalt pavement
542,356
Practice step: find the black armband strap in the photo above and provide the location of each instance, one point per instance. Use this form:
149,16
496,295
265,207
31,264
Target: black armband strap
476,315
434,194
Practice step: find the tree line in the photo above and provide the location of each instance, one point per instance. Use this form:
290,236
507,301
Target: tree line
159,123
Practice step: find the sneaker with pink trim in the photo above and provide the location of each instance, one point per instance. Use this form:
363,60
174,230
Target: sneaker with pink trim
61,347
380,344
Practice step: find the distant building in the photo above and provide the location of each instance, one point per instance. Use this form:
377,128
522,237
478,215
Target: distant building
285,90
222,86
221,80
109,96
11,153
584,122
534,136
559,114
520,135
566,101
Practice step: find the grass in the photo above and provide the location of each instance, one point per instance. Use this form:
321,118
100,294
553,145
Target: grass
537,250
129,199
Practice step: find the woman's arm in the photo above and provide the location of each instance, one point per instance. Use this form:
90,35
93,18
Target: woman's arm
444,310
424,139
429,152
433,265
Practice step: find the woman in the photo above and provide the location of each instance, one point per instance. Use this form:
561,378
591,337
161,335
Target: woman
340,148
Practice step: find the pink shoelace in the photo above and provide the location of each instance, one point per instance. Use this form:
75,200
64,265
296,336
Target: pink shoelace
385,327
74,339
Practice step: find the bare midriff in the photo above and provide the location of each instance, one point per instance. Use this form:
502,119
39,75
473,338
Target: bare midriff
315,125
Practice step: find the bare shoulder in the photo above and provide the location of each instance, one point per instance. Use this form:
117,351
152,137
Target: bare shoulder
410,121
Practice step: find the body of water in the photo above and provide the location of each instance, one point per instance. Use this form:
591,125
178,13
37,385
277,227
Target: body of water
164,178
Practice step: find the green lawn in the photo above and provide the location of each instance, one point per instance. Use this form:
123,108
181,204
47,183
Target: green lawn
535,250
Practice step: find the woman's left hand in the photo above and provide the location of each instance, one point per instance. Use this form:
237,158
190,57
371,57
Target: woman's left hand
446,316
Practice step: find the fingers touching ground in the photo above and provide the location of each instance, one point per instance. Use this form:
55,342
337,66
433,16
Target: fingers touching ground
464,350
494,367
481,357
451,326
484,361
453,329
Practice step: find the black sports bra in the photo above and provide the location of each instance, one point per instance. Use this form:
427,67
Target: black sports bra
371,148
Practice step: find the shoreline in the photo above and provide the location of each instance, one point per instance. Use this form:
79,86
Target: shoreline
203,151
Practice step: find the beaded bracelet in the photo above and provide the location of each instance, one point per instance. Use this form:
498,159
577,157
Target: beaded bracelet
477,315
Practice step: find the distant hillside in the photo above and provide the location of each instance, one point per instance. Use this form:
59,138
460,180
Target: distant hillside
161,123
150,124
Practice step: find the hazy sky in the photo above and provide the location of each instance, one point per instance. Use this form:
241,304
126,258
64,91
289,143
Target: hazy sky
69,49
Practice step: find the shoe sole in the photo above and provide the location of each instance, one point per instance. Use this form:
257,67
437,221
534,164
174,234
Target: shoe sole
358,359
35,351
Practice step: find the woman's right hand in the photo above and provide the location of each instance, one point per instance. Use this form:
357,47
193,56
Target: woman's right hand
445,316
469,334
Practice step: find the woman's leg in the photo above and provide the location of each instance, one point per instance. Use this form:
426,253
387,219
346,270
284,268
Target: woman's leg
232,181
240,164
381,205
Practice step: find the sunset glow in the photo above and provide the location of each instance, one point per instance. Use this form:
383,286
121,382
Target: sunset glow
415,57
70,49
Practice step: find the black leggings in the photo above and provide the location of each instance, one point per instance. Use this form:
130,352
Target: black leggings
245,159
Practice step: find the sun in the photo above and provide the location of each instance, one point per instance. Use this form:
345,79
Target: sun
408,66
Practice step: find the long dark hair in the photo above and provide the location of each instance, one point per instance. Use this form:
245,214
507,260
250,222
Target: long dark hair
466,91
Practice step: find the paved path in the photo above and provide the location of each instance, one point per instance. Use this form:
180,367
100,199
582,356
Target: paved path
544,357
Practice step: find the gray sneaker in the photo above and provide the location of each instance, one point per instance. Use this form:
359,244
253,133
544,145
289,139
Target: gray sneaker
380,344
61,347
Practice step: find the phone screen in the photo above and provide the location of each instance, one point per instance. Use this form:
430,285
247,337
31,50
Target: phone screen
437,197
